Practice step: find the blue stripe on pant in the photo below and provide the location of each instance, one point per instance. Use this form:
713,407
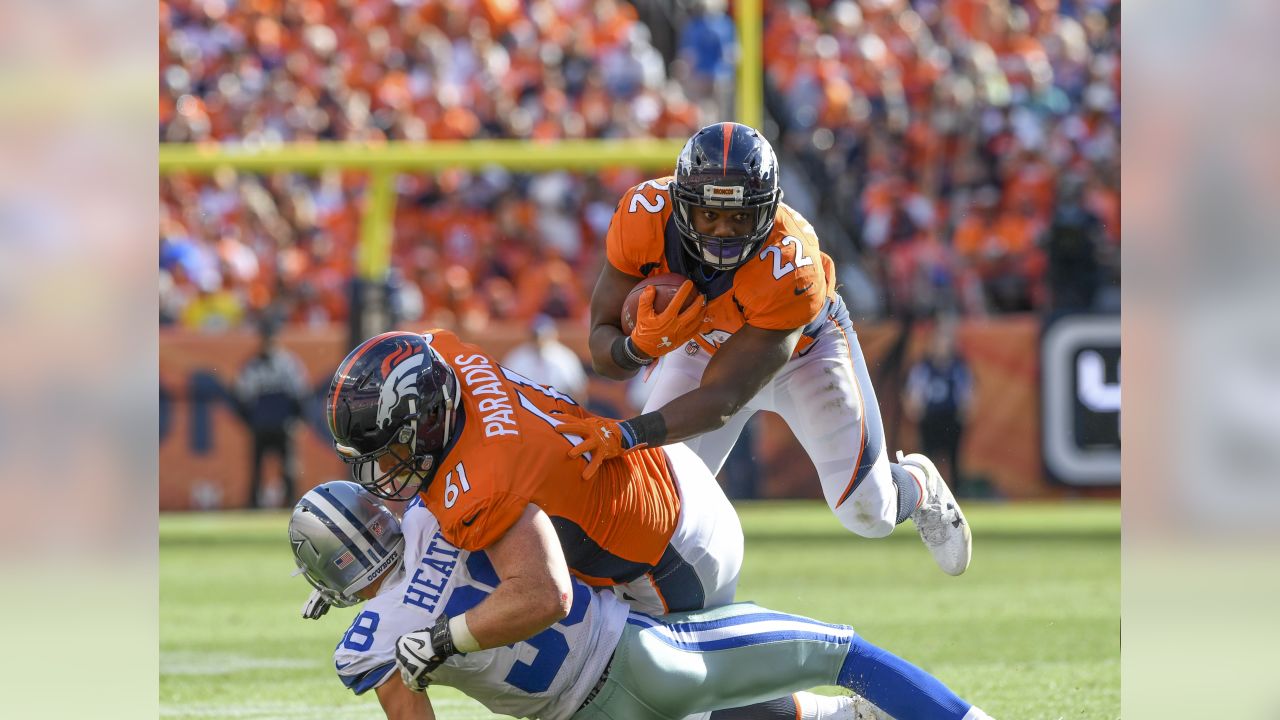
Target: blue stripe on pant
671,666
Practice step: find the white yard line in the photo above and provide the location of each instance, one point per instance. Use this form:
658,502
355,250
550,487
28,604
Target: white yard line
193,663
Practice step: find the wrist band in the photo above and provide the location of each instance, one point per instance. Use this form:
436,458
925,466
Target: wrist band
649,429
626,356
463,640
633,352
442,639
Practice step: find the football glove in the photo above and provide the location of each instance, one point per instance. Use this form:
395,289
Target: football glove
315,606
657,334
602,437
419,653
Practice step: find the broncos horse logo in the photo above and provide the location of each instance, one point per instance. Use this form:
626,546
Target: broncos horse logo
401,380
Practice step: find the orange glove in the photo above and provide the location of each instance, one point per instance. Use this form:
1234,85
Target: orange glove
603,438
657,334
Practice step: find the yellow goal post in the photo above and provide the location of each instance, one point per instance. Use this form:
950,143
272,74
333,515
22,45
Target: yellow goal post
384,160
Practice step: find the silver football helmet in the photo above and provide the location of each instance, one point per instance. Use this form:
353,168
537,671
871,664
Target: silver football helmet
343,538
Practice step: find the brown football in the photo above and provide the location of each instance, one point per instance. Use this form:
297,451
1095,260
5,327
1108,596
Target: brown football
667,284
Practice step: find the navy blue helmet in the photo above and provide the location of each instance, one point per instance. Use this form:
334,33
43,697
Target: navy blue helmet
726,165
392,408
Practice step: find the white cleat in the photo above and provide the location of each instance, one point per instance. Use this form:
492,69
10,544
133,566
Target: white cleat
856,707
939,520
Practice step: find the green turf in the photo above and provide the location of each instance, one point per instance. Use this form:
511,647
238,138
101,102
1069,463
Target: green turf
1031,631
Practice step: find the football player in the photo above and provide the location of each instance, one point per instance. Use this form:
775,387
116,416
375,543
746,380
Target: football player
431,414
767,332
599,660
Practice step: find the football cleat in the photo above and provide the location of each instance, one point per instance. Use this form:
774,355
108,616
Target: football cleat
939,520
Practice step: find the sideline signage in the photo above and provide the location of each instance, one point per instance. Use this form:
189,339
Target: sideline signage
1080,399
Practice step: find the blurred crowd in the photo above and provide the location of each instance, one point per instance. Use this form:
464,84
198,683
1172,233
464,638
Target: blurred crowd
955,155
966,152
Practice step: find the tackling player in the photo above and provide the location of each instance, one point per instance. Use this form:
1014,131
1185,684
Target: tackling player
770,333
431,414
599,660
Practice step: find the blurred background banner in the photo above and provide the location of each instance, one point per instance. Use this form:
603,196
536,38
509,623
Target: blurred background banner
1057,382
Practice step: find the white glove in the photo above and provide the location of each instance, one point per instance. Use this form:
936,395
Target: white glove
418,653
416,659
315,606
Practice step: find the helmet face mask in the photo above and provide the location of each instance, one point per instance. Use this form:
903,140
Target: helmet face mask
725,166
392,408
404,475
343,539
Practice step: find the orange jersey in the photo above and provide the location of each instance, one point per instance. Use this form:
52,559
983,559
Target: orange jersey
507,454
786,285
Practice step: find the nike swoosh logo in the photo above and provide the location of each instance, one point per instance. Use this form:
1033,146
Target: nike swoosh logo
342,666
804,289
472,519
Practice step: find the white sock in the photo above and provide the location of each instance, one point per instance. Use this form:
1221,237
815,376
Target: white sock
821,707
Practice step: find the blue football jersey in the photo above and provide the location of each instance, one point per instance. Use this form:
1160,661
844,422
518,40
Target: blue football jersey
547,676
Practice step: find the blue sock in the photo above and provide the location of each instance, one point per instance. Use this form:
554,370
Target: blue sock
896,686
908,491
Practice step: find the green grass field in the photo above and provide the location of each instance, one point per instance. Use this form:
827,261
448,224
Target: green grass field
1031,631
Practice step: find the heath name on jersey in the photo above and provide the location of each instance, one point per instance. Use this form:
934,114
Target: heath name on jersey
547,676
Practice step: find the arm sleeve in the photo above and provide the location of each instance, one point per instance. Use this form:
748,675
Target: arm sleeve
635,238
479,523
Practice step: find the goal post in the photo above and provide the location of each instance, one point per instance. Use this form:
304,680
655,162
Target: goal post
384,160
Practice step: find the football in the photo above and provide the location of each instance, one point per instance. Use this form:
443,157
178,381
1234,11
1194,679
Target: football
667,284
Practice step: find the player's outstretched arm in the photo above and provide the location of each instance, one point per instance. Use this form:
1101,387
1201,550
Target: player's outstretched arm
612,288
744,364
401,703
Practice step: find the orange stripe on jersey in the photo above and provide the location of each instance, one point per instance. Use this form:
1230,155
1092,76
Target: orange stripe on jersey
862,419
726,129
654,584
591,580
342,371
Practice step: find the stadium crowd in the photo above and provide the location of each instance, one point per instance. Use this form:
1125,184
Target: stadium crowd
955,155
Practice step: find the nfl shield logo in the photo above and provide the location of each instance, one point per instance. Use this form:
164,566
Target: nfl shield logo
344,560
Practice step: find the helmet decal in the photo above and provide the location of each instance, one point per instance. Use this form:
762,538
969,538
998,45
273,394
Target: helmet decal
392,409
403,350
400,382
727,130
339,378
